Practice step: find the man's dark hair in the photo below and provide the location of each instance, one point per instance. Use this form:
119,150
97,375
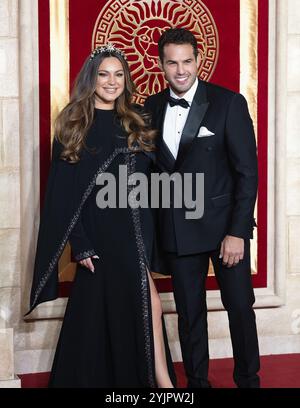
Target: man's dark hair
176,36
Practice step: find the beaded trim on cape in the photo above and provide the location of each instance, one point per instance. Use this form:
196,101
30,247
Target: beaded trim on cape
84,255
130,161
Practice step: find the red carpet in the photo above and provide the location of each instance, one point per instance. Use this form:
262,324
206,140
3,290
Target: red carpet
277,371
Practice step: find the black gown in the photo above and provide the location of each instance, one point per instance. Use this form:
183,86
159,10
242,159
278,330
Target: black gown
106,338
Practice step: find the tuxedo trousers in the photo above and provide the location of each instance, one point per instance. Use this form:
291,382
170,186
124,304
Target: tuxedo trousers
189,275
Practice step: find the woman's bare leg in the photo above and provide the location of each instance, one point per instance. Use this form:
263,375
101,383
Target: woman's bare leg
161,369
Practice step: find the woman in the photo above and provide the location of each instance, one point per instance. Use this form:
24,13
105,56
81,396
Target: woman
113,333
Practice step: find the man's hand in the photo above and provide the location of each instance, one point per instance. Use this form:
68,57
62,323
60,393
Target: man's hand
232,250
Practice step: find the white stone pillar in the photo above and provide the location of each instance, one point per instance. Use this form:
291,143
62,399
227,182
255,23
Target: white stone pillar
293,139
9,190
7,377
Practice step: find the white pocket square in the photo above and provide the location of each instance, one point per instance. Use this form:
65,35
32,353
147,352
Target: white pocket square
204,132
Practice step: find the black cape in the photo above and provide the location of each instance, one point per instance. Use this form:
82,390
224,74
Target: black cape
64,200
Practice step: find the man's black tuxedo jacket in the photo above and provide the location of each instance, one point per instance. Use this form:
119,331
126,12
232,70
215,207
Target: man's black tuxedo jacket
228,160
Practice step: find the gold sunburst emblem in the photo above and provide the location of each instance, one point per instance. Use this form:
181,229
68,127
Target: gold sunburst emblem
135,27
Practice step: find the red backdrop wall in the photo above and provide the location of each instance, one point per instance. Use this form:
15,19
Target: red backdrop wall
226,15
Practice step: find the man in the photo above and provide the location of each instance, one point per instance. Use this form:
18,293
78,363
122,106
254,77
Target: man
207,129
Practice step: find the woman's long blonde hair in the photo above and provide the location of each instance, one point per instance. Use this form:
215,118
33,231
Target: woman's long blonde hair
74,121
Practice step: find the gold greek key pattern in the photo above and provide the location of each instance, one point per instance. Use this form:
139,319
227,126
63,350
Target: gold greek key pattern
135,27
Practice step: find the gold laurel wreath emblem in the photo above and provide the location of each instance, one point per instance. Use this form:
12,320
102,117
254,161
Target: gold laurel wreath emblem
135,27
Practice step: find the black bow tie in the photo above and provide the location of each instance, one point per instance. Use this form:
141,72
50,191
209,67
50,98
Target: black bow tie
181,102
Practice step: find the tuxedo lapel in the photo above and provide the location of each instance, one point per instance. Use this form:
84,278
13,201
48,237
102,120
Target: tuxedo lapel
196,114
165,159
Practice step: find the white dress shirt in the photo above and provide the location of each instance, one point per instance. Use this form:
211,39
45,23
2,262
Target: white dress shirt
175,119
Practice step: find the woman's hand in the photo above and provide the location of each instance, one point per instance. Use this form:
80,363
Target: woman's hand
87,263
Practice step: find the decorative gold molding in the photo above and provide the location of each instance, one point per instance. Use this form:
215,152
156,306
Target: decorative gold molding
59,89
249,78
59,57
248,54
